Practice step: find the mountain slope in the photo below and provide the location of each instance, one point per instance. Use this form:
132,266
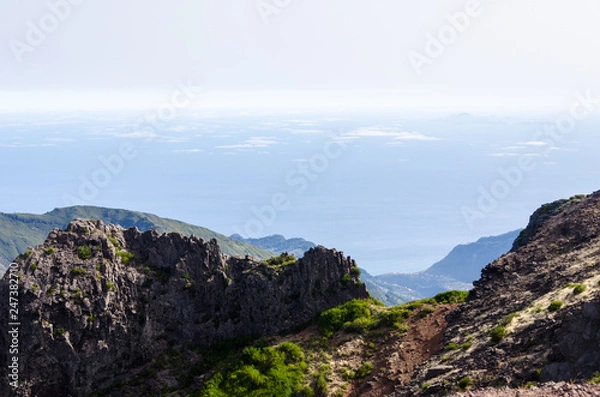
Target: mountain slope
19,231
389,294
98,303
534,315
457,270
465,262
278,244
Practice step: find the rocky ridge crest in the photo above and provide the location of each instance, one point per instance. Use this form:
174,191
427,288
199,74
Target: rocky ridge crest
98,301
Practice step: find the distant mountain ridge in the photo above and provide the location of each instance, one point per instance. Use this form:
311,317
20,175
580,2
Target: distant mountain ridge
20,231
278,244
458,269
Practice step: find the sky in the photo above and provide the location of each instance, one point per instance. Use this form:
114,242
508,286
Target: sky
436,101
490,54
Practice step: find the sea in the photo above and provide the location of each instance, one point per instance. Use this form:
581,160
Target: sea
394,190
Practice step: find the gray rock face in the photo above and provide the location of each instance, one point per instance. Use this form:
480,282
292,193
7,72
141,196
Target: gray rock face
95,299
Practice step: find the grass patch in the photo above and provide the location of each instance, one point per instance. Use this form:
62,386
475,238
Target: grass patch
59,332
450,297
555,306
126,257
465,346
579,288
267,371
364,370
355,316
78,271
426,311
464,383
508,319
280,262
595,379
498,333
450,346
84,252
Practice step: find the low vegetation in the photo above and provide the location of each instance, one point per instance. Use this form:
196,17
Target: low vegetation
280,262
126,257
554,306
360,316
78,271
498,333
84,252
579,288
464,383
267,371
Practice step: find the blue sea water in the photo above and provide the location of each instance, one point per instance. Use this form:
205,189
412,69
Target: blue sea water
395,191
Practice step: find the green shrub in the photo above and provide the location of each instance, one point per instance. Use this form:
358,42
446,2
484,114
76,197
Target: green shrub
282,261
451,346
78,271
497,334
358,325
346,279
392,316
595,379
451,297
579,288
355,271
554,306
114,241
84,252
345,315
426,311
27,254
59,332
126,257
269,371
508,319
348,374
49,250
33,267
464,383
402,329
321,379
465,346
110,286
364,370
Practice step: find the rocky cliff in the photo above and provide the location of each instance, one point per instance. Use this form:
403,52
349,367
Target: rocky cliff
534,315
97,302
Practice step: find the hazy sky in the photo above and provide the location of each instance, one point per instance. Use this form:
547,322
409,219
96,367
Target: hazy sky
135,51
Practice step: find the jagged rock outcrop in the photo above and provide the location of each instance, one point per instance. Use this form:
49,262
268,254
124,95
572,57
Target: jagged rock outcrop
510,332
97,301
